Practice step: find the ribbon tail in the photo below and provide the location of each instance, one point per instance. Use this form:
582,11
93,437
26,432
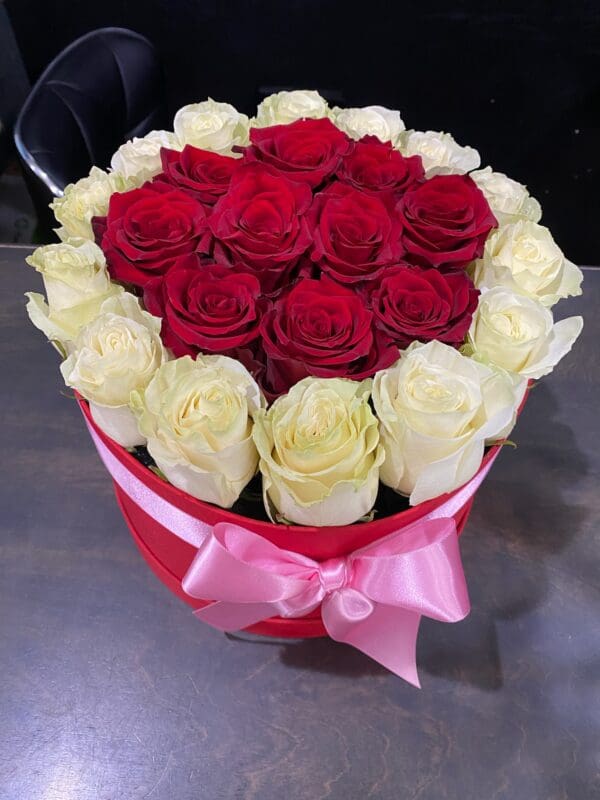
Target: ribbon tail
388,635
234,616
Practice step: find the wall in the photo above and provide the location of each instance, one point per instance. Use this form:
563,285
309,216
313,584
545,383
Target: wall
13,83
519,81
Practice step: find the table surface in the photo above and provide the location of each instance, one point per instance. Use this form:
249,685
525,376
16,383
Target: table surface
111,689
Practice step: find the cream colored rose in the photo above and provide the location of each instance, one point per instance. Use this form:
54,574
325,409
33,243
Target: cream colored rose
508,199
284,107
211,126
525,258
114,355
320,452
138,160
76,283
384,123
197,418
86,199
440,153
437,409
519,334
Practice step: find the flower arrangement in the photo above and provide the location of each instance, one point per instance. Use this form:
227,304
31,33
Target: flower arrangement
316,296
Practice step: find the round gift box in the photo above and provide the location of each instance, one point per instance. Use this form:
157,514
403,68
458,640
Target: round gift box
169,556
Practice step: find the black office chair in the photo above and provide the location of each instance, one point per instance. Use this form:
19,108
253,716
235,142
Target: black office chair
101,90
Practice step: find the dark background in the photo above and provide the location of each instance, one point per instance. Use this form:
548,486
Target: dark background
518,81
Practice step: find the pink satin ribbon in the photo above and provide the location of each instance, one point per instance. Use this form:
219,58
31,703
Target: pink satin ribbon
372,599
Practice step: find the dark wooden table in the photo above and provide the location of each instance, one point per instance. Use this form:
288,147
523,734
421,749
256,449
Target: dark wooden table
111,690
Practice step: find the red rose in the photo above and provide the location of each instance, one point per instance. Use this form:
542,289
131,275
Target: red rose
147,229
308,150
260,224
203,174
412,303
375,166
205,307
322,329
445,221
355,236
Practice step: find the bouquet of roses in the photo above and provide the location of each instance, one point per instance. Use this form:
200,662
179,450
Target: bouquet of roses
316,295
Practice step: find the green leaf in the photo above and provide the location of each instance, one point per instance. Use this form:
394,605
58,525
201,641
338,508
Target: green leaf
59,347
505,443
159,473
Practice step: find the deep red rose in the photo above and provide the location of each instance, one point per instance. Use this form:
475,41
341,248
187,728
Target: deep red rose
417,304
445,221
355,234
147,229
308,150
375,166
203,174
322,329
205,307
260,224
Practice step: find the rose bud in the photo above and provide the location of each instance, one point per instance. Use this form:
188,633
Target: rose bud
319,453
509,200
445,221
415,304
211,126
323,329
375,168
197,418
287,106
524,258
206,307
355,235
139,160
76,283
146,230
437,409
115,354
85,199
200,173
384,123
440,153
260,225
308,150
519,334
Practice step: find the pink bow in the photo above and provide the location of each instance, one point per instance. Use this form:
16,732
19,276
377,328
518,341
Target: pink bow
372,599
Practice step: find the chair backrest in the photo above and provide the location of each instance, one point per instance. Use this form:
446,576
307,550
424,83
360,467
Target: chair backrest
100,91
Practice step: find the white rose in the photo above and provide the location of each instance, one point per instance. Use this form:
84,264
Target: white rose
525,258
440,153
384,123
76,283
519,334
197,418
138,160
508,199
284,107
112,356
437,409
86,199
319,452
211,126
